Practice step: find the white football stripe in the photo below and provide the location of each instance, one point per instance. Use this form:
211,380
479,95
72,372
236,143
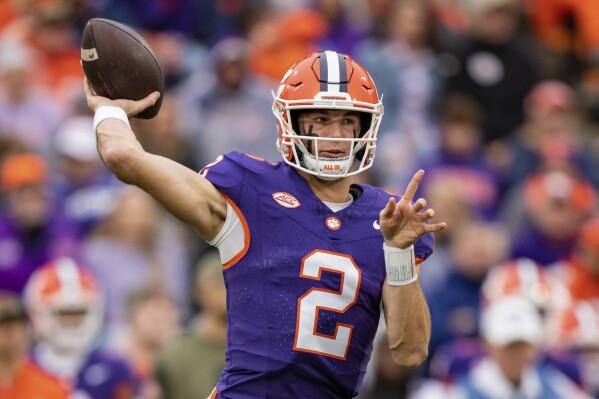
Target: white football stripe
68,275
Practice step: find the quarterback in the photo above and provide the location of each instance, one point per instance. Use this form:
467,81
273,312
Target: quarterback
308,255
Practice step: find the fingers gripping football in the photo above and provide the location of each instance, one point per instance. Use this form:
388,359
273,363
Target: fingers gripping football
130,107
403,222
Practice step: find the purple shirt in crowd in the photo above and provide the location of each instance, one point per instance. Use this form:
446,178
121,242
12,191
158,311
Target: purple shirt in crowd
22,252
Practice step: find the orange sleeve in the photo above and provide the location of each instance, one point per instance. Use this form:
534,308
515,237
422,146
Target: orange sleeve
31,381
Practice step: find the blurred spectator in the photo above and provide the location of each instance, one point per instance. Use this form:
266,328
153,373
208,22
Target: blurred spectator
137,247
164,136
19,377
528,279
204,21
286,6
580,270
83,190
28,111
449,204
512,331
277,41
452,17
228,108
190,367
575,329
52,30
177,55
391,381
405,65
67,310
348,23
152,323
459,161
551,136
494,66
555,203
518,277
30,233
177,16
454,306
9,146
53,34
569,33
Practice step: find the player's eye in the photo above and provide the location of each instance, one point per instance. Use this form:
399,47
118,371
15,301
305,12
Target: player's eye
351,121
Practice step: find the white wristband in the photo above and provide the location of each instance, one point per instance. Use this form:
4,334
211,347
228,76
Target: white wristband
109,112
400,265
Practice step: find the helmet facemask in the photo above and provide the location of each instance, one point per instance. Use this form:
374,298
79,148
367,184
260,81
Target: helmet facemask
71,330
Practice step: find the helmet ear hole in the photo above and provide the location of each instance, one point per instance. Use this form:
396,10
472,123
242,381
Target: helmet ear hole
295,114
365,121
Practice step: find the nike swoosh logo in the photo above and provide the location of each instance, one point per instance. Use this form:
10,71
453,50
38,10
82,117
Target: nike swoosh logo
376,225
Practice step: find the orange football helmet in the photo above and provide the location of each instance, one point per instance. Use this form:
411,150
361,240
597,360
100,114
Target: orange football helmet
526,278
57,290
327,80
575,327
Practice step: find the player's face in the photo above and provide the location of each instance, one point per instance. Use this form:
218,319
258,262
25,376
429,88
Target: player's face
330,124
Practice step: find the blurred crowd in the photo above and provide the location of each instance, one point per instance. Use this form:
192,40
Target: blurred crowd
498,100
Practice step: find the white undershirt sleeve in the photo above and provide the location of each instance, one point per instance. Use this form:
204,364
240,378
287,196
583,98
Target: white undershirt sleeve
231,238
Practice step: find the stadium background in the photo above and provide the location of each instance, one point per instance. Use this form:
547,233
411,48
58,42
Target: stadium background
498,100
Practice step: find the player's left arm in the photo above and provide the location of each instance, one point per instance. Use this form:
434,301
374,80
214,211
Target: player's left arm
406,311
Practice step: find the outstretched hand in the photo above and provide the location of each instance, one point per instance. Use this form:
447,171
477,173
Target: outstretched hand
130,107
402,223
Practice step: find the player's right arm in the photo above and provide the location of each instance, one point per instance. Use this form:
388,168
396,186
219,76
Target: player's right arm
183,192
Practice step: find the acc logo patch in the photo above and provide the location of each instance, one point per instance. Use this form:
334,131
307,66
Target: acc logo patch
333,223
286,200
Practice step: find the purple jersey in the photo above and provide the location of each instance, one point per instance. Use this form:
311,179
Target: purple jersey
105,376
304,295
102,376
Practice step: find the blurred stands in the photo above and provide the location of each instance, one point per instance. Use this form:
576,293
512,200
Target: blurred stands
496,99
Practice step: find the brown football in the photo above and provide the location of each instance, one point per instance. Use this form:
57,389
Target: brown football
119,63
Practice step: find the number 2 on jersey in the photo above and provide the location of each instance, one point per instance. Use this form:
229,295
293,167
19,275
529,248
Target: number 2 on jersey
307,339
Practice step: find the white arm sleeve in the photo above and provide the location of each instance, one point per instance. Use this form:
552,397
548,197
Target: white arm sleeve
231,238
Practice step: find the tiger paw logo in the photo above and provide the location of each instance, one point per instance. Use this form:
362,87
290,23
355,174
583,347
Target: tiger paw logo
286,200
333,223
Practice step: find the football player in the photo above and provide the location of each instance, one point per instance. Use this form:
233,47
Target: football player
308,256
67,310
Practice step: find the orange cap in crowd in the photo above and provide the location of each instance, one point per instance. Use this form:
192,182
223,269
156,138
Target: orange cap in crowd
22,169
589,234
